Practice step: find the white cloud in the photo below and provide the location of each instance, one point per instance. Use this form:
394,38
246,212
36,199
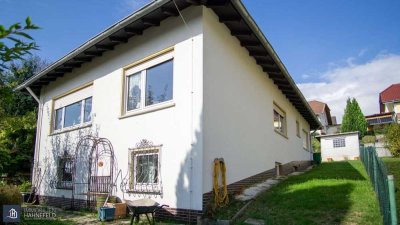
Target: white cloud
361,81
305,76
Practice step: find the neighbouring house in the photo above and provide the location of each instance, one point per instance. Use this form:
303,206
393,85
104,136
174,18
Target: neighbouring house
389,106
323,114
389,101
380,121
148,104
341,146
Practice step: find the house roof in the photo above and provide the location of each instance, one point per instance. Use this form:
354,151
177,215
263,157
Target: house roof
338,134
317,106
230,12
390,94
379,115
321,107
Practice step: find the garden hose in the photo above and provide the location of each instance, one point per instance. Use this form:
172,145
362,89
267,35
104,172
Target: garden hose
220,193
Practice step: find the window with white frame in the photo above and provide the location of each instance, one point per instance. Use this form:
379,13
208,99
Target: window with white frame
73,110
279,120
77,113
305,140
149,83
145,170
339,142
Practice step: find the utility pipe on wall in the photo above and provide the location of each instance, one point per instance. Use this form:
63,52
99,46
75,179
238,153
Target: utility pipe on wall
38,132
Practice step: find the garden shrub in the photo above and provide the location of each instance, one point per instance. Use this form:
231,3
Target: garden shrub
393,139
25,186
9,195
369,139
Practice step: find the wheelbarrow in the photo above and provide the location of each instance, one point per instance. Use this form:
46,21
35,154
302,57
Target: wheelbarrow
143,206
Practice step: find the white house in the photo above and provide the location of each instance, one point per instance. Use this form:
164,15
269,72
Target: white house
341,146
169,92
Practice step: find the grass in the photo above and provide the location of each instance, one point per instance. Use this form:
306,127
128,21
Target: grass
393,166
332,193
47,222
228,211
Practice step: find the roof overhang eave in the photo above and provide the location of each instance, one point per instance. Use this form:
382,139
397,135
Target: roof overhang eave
102,35
250,21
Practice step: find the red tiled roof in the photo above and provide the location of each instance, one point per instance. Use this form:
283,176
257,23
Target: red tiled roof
317,106
391,93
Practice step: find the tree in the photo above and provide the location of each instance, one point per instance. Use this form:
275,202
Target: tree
353,118
316,145
393,139
20,43
17,118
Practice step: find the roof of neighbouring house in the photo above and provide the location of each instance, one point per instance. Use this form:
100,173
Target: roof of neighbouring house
338,134
317,106
321,107
230,12
390,94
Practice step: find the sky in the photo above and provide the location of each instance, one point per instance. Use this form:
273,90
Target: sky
333,49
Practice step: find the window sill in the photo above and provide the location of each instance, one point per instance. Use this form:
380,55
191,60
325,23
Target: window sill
145,192
71,129
148,109
64,188
282,134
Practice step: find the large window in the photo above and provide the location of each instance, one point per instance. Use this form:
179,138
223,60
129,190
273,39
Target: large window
279,120
65,166
149,83
145,170
339,142
74,114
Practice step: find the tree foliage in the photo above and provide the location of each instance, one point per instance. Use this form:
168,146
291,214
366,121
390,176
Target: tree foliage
15,42
393,139
17,118
353,118
316,145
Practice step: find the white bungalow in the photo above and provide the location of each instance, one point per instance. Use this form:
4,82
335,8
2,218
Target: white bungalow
169,91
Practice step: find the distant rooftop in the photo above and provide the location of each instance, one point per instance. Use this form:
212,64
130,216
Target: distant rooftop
390,94
382,118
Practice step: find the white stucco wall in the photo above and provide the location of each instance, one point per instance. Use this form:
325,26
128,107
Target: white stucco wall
350,151
238,110
177,128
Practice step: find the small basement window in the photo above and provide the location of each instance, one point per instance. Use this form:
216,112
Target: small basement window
64,178
279,120
145,170
339,142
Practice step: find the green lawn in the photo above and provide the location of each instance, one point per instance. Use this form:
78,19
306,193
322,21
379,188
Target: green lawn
333,193
393,166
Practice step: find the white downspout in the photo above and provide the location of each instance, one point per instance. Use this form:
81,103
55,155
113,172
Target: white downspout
37,139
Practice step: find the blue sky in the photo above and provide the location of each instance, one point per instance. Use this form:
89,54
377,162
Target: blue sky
316,40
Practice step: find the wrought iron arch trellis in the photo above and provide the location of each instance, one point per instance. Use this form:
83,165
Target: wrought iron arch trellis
91,181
